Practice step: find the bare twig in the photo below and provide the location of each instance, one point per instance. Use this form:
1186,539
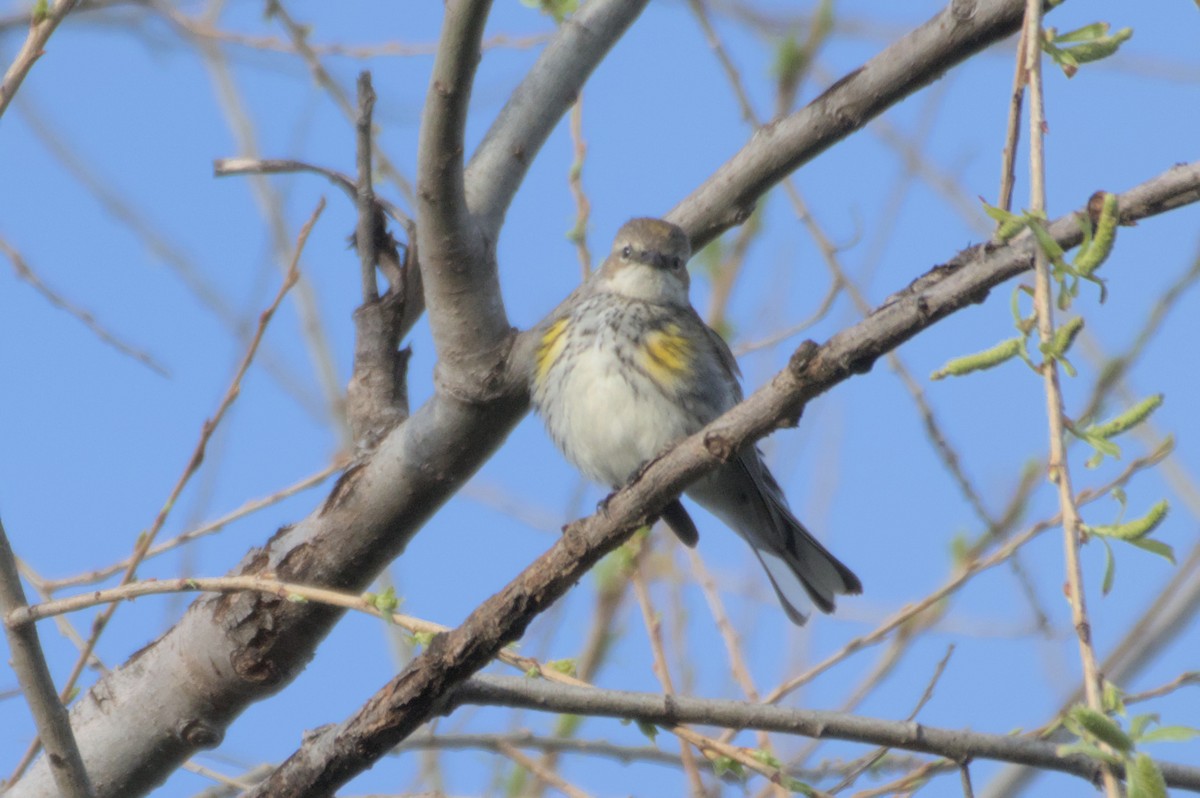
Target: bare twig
29,663
250,507
33,49
662,669
869,760
367,233
298,34
583,206
85,317
542,773
957,581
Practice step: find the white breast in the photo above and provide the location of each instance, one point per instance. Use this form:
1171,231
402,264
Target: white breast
609,425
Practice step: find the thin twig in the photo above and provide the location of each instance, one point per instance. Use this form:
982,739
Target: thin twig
957,581
1059,472
583,206
543,774
870,759
366,233
85,317
1012,133
653,624
299,37
33,49
250,507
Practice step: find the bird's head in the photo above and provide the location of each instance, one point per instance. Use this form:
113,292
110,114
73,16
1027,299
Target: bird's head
648,262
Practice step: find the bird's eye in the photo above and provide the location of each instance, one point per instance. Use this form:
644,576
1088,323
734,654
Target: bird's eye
627,252
677,262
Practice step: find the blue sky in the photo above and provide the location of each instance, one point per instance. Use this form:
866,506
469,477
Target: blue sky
91,441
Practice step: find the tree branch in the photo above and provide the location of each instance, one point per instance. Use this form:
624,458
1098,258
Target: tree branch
40,29
33,675
538,103
959,746
462,288
956,33
338,752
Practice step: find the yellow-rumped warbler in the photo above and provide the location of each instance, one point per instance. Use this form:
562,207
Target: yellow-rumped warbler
626,367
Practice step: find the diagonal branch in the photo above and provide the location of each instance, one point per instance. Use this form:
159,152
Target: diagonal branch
538,103
957,32
40,28
335,754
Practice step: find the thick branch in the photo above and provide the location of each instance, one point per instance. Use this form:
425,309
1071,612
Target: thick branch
462,290
332,756
960,746
955,34
538,103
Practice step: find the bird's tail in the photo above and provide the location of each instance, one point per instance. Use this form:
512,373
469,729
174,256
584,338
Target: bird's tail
745,495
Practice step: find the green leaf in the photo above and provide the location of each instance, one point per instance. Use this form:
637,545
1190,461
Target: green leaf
1101,727
1128,419
1139,723
1163,550
1008,224
567,725
558,9
767,758
988,358
1110,568
385,603
566,666
1133,530
648,729
1096,248
1089,750
723,764
1170,734
1084,34
1047,242
1144,779
1101,48
1113,698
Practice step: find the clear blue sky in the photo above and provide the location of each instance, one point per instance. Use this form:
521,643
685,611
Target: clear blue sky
91,441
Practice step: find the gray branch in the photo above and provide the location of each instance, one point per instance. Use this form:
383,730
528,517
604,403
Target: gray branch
956,745
727,198
29,663
548,91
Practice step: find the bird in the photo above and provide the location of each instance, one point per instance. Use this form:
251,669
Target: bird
625,368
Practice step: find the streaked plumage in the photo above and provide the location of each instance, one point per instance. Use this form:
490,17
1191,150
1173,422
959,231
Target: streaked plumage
626,368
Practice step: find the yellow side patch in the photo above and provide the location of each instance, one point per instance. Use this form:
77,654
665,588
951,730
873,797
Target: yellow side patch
666,355
551,346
